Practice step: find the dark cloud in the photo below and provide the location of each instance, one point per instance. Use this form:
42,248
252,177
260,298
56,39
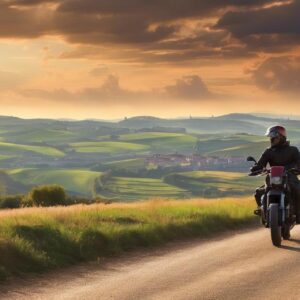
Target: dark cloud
201,38
273,29
153,29
275,20
18,23
281,74
124,30
30,2
155,10
141,21
271,43
174,53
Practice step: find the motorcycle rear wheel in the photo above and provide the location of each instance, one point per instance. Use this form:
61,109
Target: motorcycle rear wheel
274,225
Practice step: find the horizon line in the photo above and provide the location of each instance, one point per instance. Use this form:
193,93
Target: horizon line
252,114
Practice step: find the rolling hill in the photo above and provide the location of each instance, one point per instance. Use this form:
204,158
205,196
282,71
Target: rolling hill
107,147
80,182
75,153
9,186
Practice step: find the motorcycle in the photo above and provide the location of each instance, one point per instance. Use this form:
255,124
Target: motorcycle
277,210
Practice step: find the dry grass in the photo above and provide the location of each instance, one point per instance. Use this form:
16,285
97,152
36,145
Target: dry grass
157,202
37,239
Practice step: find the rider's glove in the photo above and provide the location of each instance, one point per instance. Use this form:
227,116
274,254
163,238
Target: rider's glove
255,169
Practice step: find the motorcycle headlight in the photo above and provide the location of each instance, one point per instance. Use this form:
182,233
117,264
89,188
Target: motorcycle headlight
276,180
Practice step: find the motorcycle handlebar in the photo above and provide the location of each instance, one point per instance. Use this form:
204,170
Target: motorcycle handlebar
294,171
259,172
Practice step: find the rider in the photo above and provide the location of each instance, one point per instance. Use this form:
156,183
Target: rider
279,154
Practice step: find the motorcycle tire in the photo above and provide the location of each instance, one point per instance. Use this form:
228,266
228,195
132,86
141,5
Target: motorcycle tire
274,225
286,232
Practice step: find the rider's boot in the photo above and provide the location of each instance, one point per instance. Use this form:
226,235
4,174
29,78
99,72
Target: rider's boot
257,211
258,194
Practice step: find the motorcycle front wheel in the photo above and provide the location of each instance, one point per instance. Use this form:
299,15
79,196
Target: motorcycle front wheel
285,230
274,225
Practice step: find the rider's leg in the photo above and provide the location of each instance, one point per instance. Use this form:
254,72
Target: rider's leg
259,192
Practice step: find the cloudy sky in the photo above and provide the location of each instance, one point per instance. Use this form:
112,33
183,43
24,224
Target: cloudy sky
115,58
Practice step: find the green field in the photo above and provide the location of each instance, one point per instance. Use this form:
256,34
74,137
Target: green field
155,141
77,181
215,183
127,164
144,136
126,188
107,147
39,239
163,141
42,135
208,184
231,145
17,149
3,157
254,149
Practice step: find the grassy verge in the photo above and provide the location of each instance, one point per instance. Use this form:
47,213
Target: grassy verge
38,239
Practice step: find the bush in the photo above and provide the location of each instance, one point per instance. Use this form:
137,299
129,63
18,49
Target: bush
47,195
99,200
11,201
71,200
27,201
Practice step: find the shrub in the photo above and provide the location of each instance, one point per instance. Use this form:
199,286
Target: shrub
47,195
99,200
11,201
27,201
71,200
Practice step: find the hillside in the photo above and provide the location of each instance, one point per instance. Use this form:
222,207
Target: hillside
139,151
10,186
129,188
196,125
81,182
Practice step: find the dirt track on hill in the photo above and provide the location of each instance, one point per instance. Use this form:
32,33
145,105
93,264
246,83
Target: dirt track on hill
242,266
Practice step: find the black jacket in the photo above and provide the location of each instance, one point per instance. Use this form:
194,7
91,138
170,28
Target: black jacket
280,155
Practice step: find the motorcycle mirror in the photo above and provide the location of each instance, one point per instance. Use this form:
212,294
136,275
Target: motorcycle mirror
250,158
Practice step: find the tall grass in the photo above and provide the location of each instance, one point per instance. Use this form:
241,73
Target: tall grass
38,239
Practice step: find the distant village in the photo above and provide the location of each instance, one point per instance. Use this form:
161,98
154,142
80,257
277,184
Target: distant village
194,161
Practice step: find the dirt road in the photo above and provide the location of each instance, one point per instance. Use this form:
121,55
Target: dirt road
243,266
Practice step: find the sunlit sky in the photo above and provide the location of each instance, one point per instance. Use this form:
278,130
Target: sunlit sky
108,59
